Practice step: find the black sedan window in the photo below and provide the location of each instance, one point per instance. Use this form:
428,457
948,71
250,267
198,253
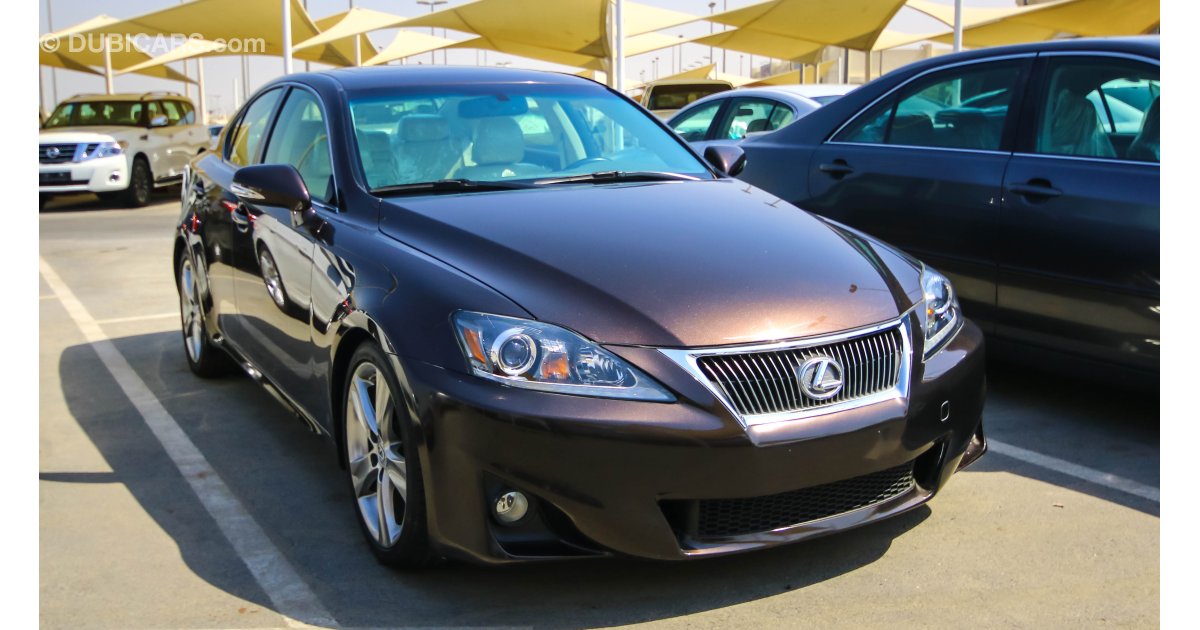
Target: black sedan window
962,108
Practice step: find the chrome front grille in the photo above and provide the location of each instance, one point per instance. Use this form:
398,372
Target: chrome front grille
761,384
62,153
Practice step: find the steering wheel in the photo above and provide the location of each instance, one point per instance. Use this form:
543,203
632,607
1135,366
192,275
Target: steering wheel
591,160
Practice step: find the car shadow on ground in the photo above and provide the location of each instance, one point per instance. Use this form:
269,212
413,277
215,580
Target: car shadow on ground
87,202
287,478
1061,413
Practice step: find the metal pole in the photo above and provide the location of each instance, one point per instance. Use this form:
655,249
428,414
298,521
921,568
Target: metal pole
236,99
867,67
287,36
53,73
200,88
108,69
619,46
724,52
845,65
357,40
958,5
712,8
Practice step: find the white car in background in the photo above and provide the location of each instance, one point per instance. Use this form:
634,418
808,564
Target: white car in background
732,116
119,146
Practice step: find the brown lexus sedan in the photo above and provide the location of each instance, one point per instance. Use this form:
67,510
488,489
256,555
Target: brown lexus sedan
535,324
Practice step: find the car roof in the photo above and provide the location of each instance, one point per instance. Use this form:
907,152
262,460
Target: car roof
816,89
412,76
128,96
776,92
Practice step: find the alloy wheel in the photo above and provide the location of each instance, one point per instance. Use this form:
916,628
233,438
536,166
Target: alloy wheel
189,307
375,454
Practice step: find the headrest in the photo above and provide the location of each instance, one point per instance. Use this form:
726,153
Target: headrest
758,124
423,128
498,140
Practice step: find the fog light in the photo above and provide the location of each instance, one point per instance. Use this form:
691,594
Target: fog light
115,177
511,507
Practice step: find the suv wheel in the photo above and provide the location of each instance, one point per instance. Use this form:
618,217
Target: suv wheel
140,185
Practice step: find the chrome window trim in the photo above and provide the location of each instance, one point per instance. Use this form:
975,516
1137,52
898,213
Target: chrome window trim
687,358
913,146
1085,158
903,84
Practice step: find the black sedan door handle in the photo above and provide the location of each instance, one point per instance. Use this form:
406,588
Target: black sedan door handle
1038,188
837,169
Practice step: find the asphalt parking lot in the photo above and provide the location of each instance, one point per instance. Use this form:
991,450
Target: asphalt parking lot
1057,527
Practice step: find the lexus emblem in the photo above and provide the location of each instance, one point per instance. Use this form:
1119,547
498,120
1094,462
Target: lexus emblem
52,152
820,378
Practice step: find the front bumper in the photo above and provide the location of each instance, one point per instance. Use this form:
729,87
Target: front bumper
610,476
98,175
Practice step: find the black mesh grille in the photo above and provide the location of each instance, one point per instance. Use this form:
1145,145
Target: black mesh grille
768,382
734,517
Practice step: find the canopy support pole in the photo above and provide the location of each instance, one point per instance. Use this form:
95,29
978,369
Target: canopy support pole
358,42
200,87
867,67
958,34
618,64
108,69
287,36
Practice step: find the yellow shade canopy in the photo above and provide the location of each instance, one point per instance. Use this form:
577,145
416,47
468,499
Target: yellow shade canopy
188,50
350,24
849,23
406,44
531,51
249,22
765,44
944,13
701,72
578,25
793,77
1088,18
71,48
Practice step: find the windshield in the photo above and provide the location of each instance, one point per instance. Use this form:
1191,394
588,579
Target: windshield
509,132
121,113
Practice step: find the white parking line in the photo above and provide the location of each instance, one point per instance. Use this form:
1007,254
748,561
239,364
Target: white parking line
1075,470
136,318
289,595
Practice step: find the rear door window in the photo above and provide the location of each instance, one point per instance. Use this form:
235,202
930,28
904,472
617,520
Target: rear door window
1099,107
959,108
694,125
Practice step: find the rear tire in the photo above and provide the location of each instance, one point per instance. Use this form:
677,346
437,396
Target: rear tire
203,357
382,463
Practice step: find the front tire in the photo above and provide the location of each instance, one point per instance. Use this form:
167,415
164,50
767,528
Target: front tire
383,464
140,184
204,358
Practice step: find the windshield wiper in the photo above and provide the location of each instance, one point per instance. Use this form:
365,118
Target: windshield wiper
449,185
617,176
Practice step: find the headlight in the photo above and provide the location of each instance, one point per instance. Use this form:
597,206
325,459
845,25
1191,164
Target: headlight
943,318
105,149
533,355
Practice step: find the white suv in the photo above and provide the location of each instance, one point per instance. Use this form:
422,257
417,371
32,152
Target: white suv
119,146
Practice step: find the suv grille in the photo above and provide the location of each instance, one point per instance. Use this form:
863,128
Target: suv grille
719,518
767,382
65,153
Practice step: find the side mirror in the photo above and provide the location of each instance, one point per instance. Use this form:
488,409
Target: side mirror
158,121
727,158
277,185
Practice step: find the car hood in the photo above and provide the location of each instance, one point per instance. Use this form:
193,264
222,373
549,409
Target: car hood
88,134
667,264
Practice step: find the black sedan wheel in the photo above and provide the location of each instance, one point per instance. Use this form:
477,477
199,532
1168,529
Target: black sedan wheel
385,474
204,359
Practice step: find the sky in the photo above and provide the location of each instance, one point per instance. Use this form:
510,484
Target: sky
221,72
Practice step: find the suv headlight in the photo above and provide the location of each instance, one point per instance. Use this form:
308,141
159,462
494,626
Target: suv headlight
943,317
533,355
105,149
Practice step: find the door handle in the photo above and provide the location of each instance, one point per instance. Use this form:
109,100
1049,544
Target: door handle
1036,188
836,169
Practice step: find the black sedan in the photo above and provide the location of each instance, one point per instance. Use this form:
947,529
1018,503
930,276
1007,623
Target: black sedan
1029,174
536,325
